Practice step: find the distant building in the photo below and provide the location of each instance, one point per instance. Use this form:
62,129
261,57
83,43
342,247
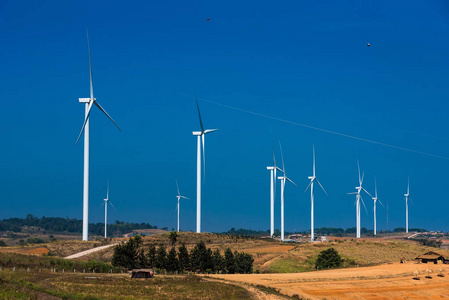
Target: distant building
431,257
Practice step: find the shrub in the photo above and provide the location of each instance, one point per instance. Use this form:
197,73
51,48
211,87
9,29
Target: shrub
328,258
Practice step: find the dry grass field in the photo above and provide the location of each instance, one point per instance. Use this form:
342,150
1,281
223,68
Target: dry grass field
371,270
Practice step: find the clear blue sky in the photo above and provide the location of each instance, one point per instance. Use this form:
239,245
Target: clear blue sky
304,62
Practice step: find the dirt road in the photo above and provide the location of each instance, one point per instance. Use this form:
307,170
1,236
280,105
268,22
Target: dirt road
77,255
389,281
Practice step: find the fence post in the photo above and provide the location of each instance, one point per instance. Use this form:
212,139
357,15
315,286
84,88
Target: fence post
14,269
84,270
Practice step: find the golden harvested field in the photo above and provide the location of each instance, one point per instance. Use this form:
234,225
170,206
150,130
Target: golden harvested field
387,281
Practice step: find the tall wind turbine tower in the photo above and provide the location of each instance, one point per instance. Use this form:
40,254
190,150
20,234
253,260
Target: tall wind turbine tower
88,106
105,203
358,197
375,199
312,179
273,170
179,198
406,205
200,134
283,179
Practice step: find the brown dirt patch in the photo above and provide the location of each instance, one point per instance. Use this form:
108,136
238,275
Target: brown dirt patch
388,281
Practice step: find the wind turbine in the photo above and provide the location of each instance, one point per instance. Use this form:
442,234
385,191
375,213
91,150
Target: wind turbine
358,198
283,179
273,170
88,106
312,179
105,203
200,135
406,205
179,198
375,199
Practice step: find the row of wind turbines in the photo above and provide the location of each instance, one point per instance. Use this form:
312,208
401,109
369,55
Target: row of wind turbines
273,169
89,102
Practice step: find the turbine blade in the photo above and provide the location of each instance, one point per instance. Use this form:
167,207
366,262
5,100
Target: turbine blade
85,121
381,203
112,205
408,185
209,130
282,157
310,183
321,187
103,203
375,187
204,158
185,197
313,147
363,176
367,192
363,202
107,193
179,194
272,148
290,180
102,109
354,193
199,114
411,201
358,168
90,68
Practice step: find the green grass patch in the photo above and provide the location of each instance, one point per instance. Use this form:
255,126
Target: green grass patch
28,285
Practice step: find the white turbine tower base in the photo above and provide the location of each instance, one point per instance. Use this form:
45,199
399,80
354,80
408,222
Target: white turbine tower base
201,137
179,198
283,179
406,205
358,197
312,179
105,203
89,102
375,199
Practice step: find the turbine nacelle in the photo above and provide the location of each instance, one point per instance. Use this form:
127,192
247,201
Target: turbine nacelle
86,100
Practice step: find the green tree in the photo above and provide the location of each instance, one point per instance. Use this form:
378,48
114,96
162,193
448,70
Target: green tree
128,255
173,236
151,256
161,257
172,264
243,262
217,261
183,258
328,258
229,261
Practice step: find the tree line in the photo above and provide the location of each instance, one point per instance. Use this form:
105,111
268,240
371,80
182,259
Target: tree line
56,224
132,255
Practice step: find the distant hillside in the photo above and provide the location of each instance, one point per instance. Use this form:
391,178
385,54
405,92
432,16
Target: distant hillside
54,224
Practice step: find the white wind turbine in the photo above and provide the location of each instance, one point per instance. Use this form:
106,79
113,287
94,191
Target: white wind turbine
273,170
88,106
179,198
312,179
105,203
283,178
375,199
358,198
200,135
406,205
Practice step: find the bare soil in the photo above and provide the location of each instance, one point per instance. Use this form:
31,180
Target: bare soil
387,281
